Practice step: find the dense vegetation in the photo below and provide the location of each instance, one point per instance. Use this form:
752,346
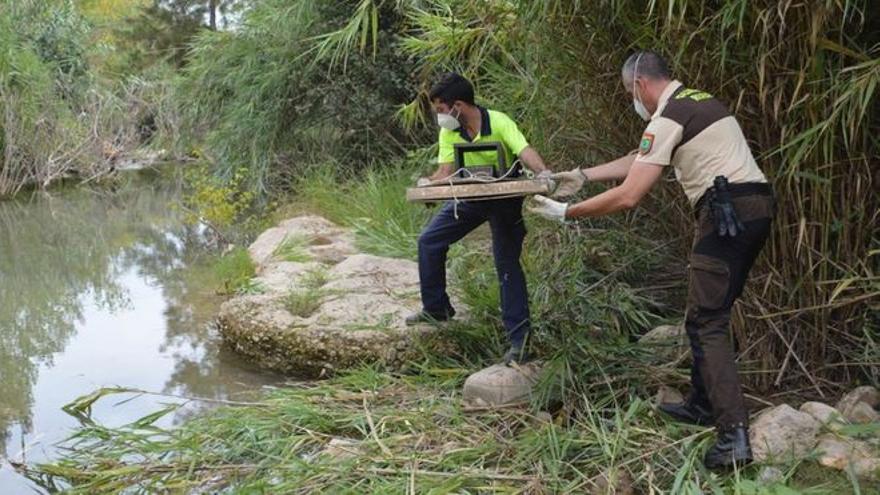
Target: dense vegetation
325,102
342,86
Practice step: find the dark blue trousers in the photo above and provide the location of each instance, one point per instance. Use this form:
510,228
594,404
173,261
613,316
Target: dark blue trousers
508,231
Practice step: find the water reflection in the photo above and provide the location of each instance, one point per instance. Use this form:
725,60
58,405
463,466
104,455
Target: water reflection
90,271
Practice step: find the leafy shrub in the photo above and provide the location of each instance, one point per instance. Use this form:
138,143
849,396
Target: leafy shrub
260,96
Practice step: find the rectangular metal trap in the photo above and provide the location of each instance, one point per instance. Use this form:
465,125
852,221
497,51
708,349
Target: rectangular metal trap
477,192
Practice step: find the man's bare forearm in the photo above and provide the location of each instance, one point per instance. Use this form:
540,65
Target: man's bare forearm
444,170
642,178
532,160
616,170
610,201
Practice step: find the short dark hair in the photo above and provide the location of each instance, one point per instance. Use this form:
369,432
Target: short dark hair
451,87
651,65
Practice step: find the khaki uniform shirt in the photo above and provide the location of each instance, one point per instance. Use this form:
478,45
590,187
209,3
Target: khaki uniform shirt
695,133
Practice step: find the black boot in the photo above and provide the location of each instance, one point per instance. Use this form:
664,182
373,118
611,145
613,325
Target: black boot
430,318
690,412
731,447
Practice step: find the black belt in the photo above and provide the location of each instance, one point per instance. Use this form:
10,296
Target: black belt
739,190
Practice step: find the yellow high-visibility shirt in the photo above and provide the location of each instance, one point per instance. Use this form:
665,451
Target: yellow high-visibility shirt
496,127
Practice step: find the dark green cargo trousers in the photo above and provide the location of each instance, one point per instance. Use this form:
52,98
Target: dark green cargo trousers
719,267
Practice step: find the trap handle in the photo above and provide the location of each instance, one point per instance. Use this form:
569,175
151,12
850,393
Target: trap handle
494,170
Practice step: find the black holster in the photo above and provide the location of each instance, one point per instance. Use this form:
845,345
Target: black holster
721,209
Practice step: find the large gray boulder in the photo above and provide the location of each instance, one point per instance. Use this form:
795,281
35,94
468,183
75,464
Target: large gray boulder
325,307
781,433
500,385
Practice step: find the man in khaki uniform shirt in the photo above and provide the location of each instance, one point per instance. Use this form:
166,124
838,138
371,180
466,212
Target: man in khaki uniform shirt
733,205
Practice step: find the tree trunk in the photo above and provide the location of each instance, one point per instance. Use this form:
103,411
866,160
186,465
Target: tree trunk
212,8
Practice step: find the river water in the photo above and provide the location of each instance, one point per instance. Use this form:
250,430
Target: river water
105,287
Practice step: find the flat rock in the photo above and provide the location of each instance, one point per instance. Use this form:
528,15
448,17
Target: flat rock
782,432
326,312
846,453
668,342
499,385
262,329
368,274
319,238
823,413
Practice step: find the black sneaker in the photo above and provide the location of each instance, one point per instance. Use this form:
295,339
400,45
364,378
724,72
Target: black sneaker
516,355
731,449
430,318
688,412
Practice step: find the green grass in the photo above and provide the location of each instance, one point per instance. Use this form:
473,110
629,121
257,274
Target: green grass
303,303
293,248
315,278
309,293
372,204
235,270
412,430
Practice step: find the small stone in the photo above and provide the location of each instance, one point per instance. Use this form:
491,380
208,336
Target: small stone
342,449
781,432
862,413
667,395
824,414
668,342
769,475
544,417
617,483
867,468
664,333
499,385
844,453
866,394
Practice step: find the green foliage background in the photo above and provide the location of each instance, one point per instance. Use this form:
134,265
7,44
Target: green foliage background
305,83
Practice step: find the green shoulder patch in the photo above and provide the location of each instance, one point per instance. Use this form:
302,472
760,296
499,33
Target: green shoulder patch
693,94
646,143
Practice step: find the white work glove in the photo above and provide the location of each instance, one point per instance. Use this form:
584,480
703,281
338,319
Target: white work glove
423,181
546,175
569,182
547,208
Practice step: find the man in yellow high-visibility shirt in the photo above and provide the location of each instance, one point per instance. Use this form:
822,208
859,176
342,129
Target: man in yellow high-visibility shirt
462,121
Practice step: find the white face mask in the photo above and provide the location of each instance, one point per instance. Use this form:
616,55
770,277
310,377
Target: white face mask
447,121
637,102
641,110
